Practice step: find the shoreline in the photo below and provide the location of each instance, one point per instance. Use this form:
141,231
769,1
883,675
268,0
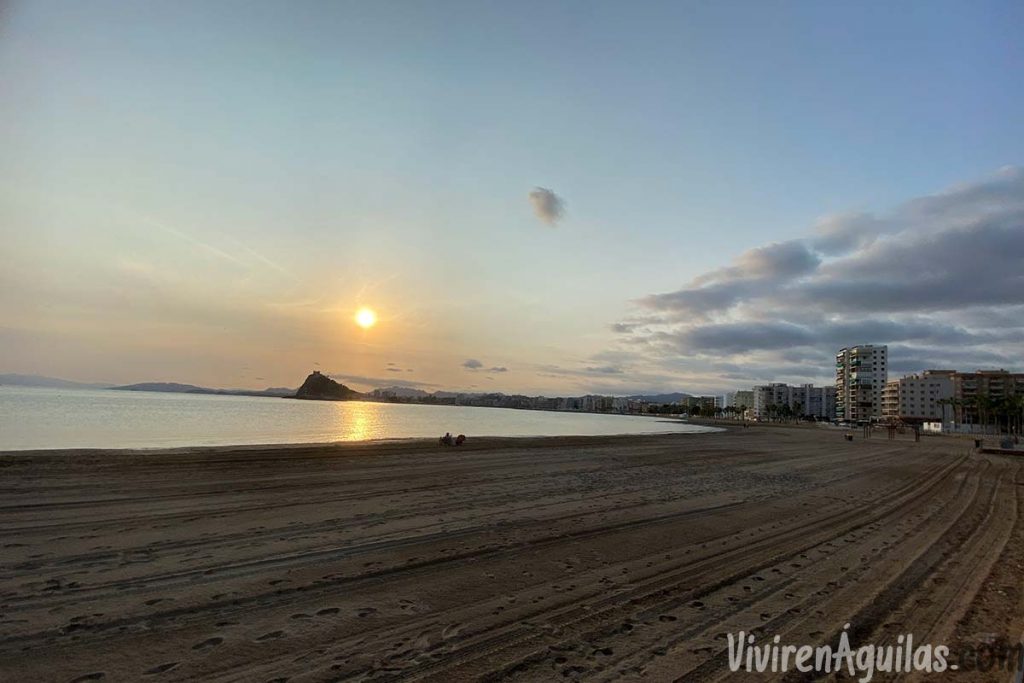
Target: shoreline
341,448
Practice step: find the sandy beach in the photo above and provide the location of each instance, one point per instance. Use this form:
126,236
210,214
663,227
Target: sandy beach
598,559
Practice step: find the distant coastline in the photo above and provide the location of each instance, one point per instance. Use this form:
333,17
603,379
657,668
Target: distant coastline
176,388
321,387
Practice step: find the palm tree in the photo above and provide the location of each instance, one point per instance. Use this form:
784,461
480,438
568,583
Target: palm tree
958,410
1015,405
970,406
984,404
942,403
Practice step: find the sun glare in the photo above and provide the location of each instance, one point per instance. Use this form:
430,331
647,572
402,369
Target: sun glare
366,318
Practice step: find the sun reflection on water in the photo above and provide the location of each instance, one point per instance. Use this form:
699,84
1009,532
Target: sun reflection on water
359,421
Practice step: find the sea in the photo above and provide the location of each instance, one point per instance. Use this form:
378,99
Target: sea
43,418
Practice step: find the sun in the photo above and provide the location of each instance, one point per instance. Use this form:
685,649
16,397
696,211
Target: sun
366,318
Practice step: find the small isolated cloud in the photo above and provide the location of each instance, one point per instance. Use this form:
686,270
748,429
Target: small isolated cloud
474,364
547,205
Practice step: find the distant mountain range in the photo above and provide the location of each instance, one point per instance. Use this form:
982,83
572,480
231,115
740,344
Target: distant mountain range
316,386
16,380
174,387
401,392
48,382
661,398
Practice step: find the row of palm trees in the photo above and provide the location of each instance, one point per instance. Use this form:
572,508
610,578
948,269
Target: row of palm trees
1001,413
733,412
783,412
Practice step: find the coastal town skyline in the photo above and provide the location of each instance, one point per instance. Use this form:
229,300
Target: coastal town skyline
640,223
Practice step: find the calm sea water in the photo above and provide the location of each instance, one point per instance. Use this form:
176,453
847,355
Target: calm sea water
33,418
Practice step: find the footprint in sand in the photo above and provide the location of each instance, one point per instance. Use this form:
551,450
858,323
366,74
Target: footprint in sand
667,617
301,616
95,676
366,611
155,601
208,643
270,636
327,611
161,668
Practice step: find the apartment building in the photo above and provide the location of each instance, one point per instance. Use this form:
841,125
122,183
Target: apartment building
861,375
969,387
743,398
803,400
920,398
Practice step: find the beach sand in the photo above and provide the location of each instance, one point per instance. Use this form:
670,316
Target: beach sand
599,559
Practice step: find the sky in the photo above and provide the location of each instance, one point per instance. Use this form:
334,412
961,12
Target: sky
534,197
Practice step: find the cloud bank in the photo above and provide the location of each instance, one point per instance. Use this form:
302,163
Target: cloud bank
940,279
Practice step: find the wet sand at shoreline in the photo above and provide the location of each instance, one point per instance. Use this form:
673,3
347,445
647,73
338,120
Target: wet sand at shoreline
605,558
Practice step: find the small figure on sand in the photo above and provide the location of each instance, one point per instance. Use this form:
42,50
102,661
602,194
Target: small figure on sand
449,440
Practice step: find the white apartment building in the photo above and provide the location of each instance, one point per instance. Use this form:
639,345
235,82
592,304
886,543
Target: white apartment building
774,394
916,398
744,398
861,374
803,399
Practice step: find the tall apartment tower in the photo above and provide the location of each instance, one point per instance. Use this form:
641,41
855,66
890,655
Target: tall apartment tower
861,374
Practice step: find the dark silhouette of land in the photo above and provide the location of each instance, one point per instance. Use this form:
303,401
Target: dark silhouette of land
320,387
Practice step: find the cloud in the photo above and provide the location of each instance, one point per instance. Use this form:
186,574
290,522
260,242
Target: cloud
939,278
474,365
547,205
605,370
842,233
754,271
